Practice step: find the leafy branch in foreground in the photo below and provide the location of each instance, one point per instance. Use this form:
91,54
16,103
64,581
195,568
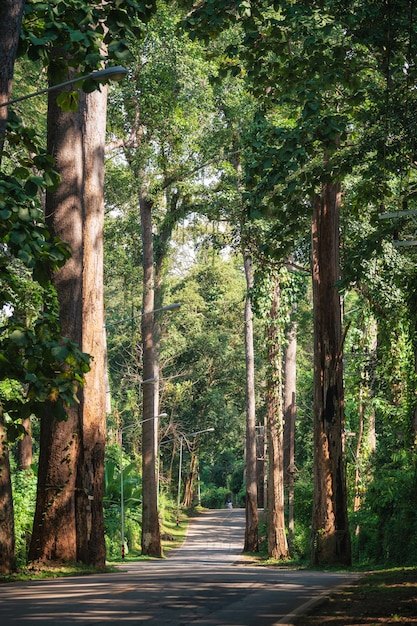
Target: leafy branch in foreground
48,367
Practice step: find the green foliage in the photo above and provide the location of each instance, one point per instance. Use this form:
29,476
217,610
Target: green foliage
209,352
387,523
213,497
80,31
24,498
236,482
303,498
132,501
48,367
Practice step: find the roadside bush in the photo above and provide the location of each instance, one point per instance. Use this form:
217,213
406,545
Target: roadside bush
303,499
24,502
301,544
386,527
214,497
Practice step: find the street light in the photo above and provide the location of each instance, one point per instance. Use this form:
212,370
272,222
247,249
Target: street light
121,431
115,74
168,307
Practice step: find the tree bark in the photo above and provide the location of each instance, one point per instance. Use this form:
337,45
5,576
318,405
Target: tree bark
191,477
7,538
251,502
359,443
90,470
54,529
151,538
69,523
24,447
11,13
290,386
160,257
330,541
277,539
366,437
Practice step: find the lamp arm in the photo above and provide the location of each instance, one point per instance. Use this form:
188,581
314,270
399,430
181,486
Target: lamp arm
110,73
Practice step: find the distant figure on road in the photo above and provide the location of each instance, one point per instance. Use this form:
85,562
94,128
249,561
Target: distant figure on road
229,503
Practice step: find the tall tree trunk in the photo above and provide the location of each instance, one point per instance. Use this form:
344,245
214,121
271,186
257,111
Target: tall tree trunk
251,502
54,529
359,443
90,470
191,477
159,266
69,523
277,539
290,385
24,447
330,541
366,437
7,538
151,538
11,13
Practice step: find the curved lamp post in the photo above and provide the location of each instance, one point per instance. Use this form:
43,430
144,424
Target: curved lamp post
114,74
168,307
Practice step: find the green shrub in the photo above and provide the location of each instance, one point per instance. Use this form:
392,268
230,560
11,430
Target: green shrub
300,549
214,497
24,501
385,529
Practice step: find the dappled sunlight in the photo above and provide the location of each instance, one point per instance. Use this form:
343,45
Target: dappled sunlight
203,582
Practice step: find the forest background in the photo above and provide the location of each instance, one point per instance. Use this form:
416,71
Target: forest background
232,120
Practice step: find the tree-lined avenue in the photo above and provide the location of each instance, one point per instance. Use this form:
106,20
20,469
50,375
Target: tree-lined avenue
205,582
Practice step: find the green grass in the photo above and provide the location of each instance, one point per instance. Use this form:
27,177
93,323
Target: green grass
170,528
59,571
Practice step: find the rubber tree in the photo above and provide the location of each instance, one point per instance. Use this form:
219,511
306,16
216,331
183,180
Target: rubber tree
290,393
151,538
68,521
330,541
251,499
277,538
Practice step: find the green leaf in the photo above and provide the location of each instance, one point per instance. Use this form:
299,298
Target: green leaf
68,100
24,214
17,236
119,49
19,338
90,85
39,41
21,172
78,36
31,187
61,353
5,214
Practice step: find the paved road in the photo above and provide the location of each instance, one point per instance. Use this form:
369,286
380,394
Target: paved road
203,583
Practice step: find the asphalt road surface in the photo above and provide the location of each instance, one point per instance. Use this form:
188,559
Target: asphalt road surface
205,582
